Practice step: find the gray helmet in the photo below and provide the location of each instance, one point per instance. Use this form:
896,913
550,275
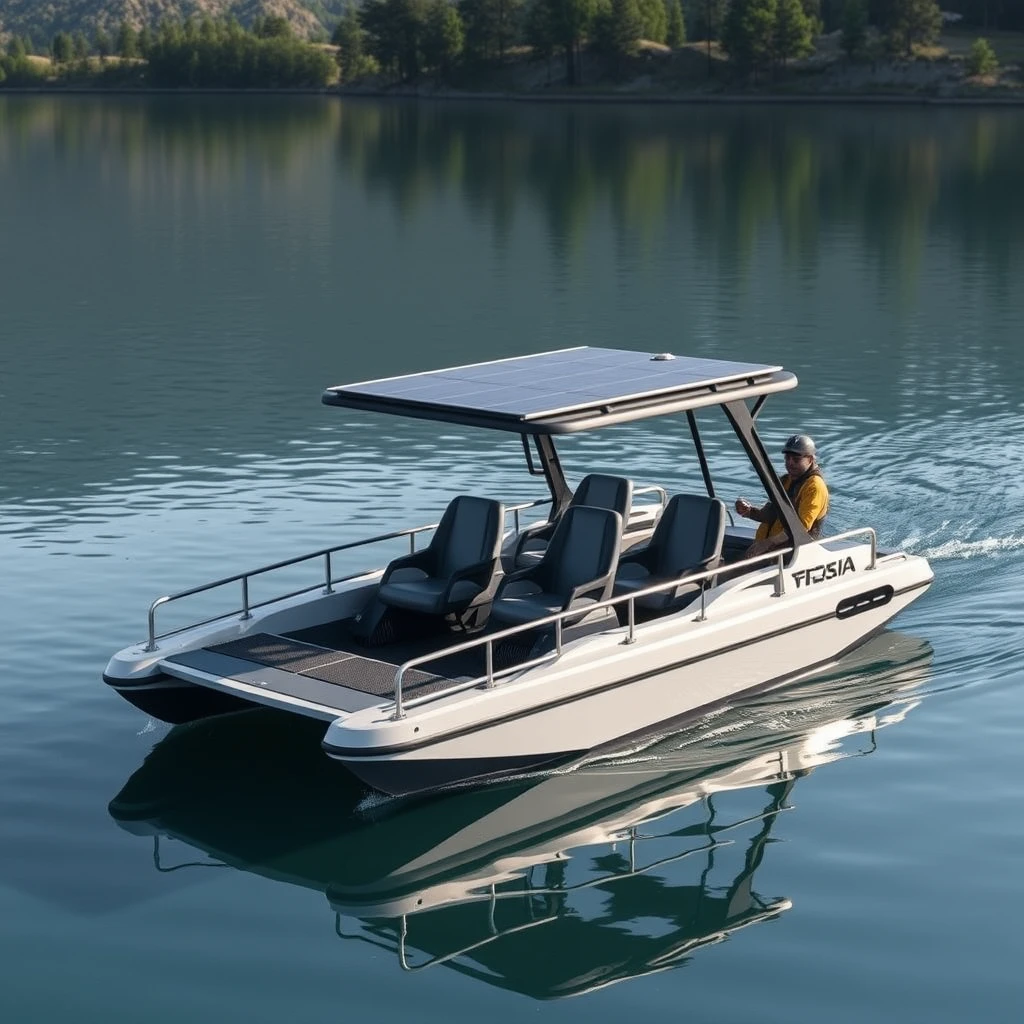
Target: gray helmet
799,444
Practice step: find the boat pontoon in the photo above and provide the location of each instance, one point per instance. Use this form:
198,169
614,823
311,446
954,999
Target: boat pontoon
500,647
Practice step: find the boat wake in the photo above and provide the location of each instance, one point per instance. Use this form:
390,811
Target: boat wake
933,547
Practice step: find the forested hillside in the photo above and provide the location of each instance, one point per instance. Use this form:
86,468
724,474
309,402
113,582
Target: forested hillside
42,19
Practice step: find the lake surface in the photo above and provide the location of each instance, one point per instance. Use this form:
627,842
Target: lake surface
179,279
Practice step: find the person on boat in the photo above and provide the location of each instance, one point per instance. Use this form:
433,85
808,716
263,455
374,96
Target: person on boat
807,490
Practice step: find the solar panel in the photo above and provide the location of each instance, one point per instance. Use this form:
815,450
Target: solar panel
525,391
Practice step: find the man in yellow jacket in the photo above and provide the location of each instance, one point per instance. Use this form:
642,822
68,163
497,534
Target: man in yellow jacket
807,491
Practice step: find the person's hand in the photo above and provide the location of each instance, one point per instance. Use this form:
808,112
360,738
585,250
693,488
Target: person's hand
743,507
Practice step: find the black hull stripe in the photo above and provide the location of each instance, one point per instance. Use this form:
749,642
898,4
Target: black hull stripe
359,753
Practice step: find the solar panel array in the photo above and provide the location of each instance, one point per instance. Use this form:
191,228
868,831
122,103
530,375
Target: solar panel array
536,387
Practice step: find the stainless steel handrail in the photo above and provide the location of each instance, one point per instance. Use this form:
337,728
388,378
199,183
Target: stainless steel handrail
557,620
491,676
327,583
653,489
861,530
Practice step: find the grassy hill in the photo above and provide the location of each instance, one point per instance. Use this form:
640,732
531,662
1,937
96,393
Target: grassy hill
42,19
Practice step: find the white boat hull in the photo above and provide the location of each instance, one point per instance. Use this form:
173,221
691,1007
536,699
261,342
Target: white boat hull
603,692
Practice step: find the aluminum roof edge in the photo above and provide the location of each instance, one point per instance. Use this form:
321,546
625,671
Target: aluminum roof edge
578,420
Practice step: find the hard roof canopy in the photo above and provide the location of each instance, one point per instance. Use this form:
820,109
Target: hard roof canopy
565,391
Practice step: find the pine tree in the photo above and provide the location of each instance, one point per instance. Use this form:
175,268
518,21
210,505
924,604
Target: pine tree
793,31
443,37
102,44
81,45
63,48
619,30
748,33
913,21
855,27
676,34
653,19
127,41
349,39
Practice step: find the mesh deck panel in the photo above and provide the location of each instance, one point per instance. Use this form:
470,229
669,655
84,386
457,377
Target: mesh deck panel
367,675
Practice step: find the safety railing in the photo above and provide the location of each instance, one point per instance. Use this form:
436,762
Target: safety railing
861,531
558,619
490,676
653,489
326,584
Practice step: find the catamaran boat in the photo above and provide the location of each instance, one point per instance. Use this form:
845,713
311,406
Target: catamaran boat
500,647
550,885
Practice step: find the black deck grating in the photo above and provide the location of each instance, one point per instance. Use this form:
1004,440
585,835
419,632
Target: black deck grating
342,668
377,677
278,652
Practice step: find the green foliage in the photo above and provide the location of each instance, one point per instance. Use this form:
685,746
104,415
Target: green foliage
570,22
443,38
145,41
16,47
793,31
675,35
62,49
491,26
353,60
912,21
20,71
653,20
127,41
748,33
273,26
855,27
81,45
982,60
617,29
707,17
394,32
102,44
229,57
539,30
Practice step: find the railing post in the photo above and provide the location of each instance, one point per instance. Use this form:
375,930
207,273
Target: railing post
780,580
151,646
631,619
874,549
489,655
558,636
328,589
515,519
246,614
412,543
399,713
703,596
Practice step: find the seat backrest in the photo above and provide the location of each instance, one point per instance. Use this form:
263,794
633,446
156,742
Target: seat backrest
469,532
600,491
585,547
690,531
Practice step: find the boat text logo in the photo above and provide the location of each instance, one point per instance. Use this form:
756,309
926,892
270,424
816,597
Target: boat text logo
820,573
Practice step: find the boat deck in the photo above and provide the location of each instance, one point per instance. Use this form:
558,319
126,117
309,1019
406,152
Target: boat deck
339,677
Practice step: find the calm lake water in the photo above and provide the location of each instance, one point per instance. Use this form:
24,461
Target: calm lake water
179,278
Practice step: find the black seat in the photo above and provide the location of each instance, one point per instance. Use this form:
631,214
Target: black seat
597,491
687,539
457,569
576,570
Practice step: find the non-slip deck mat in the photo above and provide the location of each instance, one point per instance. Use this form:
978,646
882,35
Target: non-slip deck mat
278,652
377,677
367,675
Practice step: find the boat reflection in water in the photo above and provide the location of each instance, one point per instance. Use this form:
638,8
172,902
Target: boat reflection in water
550,885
